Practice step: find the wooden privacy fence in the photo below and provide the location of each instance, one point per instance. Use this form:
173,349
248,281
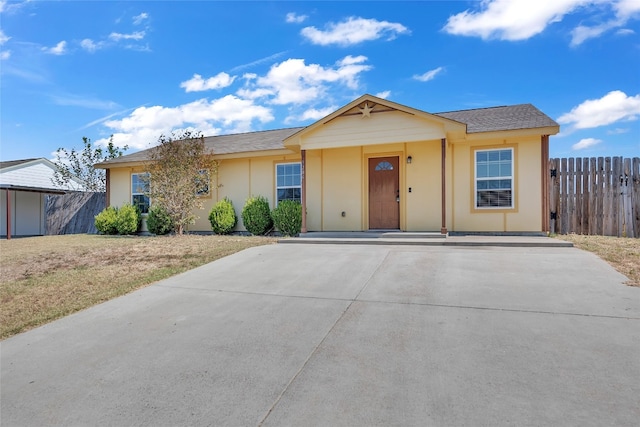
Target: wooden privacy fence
595,196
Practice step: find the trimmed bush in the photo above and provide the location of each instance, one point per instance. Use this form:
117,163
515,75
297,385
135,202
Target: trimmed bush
128,219
223,217
106,221
159,222
287,217
256,216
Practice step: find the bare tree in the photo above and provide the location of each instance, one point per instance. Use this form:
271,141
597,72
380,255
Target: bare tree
180,173
75,164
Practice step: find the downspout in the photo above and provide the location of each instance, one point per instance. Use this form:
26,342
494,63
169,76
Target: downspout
443,229
303,174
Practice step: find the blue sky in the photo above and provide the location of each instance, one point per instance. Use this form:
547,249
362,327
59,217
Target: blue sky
137,69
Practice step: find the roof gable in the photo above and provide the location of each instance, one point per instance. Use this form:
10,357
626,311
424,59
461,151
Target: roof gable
368,106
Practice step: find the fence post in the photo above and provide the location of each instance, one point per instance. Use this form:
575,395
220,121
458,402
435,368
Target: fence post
578,186
585,196
563,214
616,202
553,195
635,195
600,196
571,197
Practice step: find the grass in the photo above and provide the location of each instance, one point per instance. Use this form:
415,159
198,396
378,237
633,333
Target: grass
622,253
45,278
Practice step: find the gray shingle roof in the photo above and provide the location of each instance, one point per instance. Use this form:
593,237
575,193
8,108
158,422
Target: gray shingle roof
252,141
512,117
228,144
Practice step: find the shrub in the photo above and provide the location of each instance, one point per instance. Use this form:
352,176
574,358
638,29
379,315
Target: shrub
106,221
159,222
256,216
128,219
223,217
287,217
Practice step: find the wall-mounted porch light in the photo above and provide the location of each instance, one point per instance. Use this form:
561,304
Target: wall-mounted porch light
409,159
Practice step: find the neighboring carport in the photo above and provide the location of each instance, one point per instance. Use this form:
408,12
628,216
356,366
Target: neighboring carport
23,210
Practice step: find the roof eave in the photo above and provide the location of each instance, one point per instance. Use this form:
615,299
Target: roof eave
33,189
547,130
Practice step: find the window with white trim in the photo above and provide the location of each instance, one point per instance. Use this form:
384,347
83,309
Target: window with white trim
288,182
494,179
139,191
203,181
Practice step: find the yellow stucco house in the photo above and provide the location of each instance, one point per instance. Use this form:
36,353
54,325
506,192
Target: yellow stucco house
378,165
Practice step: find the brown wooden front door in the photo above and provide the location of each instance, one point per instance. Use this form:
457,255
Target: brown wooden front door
384,193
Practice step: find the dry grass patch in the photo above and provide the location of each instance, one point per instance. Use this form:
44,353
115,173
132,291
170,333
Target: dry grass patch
622,253
45,278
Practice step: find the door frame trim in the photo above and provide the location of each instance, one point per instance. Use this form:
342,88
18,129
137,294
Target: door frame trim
365,185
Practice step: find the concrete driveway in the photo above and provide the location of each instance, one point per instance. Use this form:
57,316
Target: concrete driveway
344,335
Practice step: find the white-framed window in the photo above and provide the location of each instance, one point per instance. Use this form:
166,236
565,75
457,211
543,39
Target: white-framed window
288,182
203,183
139,191
494,179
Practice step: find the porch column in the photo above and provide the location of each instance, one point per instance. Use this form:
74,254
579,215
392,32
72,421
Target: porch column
443,229
544,166
303,200
108,188
8,214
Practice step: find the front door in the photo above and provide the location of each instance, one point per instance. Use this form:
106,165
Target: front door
384,193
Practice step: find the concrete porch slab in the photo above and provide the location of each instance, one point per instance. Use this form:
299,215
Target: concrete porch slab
424,239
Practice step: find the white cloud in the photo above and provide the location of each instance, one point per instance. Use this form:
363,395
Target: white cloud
624,11
198,84
258,61
294,82
625,32
384,95
144,125
585,143
613,107
582,33
626,8
5,54
137,20
429,75
137,35
84,101
523,19
59,49
91,46
13,6
510,19
353,31
618,131
3,37
294,18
